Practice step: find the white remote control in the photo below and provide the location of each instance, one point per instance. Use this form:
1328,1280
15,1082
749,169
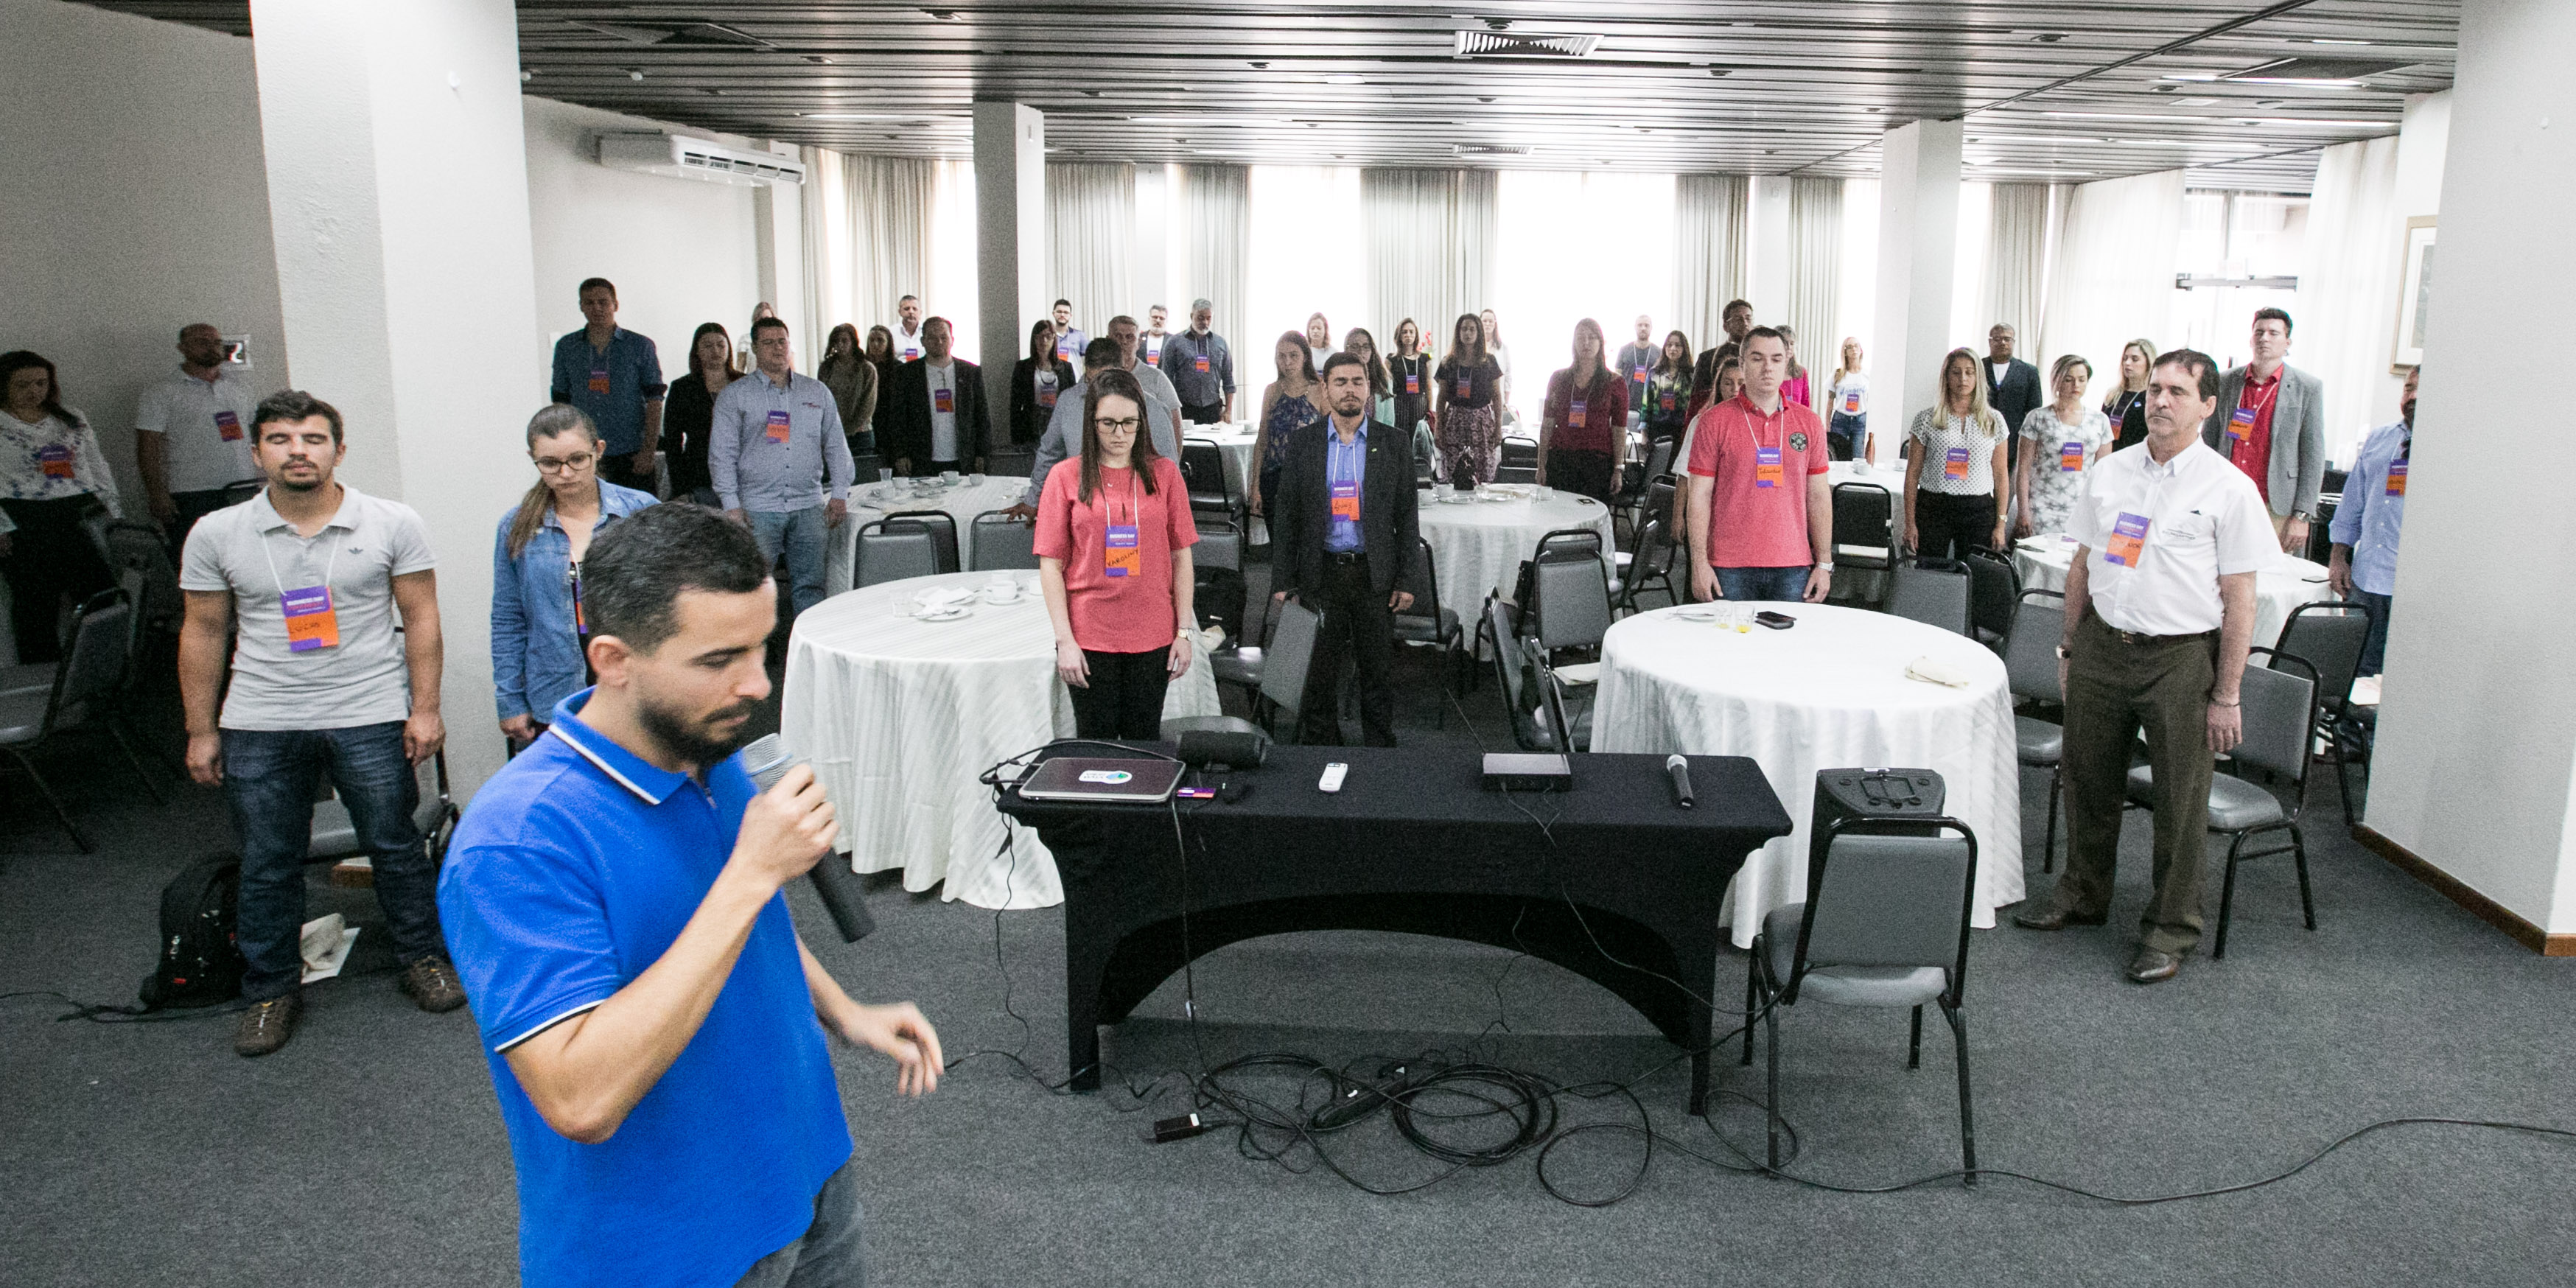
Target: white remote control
1332,779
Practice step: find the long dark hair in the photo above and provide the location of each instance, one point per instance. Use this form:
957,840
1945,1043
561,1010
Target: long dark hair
833,362
1042,342
17,360
1114,382
1464,357
1590,378
550,421
705,329
1663,359
1418,346
875,333
1299,339
1379,380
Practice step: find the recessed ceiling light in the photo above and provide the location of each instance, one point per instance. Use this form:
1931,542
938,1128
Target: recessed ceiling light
1484,98
2195,102
1342,78
1091,93
942,15
1208,120
2340,82
2301,121
2327,40
859,116
818,58
527,74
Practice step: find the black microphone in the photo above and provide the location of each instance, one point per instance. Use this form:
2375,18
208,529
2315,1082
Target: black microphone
767,760
1680,771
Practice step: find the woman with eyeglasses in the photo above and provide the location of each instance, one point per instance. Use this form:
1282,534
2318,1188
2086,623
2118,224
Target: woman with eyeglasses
540,640
1113,544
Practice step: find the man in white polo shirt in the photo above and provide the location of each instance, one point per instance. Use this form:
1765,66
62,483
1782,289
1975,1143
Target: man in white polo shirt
316,575
2159,617
192,434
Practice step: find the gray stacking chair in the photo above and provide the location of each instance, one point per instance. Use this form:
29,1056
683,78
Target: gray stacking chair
83,690
1001,541
940,524
2280,719
2329,635
892,553
2030,670
1933,596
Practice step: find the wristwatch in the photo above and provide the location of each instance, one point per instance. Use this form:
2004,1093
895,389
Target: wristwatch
1826,566
2062,653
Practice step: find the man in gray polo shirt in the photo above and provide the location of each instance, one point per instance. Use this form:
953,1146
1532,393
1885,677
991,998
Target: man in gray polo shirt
775,434
314,572
1063,436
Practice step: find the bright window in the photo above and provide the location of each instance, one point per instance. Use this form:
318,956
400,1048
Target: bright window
1574,246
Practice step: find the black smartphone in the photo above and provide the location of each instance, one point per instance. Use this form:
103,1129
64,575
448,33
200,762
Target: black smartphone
1776,621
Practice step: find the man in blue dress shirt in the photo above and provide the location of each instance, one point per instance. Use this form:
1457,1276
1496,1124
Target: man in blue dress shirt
614,375
2364,564
654,1028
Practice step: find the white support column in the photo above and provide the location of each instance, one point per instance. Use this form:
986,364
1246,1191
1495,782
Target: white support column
1767,233
1918,228
2474,771
1010,236
398,192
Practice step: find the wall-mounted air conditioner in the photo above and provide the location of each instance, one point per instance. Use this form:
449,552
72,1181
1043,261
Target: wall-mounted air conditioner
681,157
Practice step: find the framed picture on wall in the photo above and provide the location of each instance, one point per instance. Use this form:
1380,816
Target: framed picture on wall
2414,294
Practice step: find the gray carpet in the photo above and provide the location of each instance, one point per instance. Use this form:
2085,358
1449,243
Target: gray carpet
369,1152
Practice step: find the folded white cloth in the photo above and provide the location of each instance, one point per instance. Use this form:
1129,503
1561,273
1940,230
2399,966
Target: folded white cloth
1582,673
1932,670
942,596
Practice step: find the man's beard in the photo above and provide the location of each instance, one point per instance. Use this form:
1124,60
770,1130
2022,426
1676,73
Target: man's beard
686,738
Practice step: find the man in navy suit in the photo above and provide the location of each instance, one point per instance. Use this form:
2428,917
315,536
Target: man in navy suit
1343,532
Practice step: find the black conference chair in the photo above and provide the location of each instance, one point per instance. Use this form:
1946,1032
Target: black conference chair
1864,541
335,833
1994,591
1203,468
1429,622
940,524
1935,594
2280,719
84,687
1002,541
1884,924
1498,628
2330,634
2030,671
1519,461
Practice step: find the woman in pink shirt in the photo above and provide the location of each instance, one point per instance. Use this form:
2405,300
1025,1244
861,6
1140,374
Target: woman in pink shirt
1113,544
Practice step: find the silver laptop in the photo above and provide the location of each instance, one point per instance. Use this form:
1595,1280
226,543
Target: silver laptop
1084,778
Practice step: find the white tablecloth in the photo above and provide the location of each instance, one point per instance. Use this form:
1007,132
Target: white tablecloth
898,717
2291,581
1828,693
871,502
1478,545
1235,441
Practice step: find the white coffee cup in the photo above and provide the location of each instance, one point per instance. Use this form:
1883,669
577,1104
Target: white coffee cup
948,476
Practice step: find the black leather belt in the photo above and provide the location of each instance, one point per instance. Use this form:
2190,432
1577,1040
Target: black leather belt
1345,556
2133,637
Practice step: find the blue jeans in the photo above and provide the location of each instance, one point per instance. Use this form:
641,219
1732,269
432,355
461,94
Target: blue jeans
1787,585
270,777
1845,435
801,533
829,1254
2374,650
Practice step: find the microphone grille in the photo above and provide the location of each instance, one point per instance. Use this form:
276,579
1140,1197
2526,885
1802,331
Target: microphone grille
765,758
1675,760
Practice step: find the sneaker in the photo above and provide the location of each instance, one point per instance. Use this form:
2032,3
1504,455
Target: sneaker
267,1025
431,982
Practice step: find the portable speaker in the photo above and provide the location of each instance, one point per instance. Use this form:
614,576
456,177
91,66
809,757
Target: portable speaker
1876,796
1201,748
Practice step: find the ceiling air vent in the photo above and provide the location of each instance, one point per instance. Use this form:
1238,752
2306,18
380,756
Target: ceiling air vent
1504,44
1487,150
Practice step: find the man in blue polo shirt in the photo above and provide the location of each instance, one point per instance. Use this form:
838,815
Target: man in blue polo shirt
653,1025
615,376
2367,522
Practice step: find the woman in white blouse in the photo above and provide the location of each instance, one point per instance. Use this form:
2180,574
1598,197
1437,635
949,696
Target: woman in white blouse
1954,481
51,473
2067,439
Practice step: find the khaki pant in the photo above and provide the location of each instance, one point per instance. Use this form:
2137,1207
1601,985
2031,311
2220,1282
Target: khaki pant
2113,690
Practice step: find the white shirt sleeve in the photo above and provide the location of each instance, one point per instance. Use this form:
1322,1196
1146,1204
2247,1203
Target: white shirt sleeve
2083,522
411,551
2246,542
152,412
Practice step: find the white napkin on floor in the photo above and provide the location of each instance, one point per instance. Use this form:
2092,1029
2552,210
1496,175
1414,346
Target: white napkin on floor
324,945
1935,671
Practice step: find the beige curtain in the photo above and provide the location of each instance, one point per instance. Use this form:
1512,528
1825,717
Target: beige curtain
1216,200
1815,273
2348,286
1431,238
867,237
1091,237
2113,280
2017,263
1708,251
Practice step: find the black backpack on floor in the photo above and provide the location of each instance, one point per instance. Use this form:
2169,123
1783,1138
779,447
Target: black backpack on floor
200,960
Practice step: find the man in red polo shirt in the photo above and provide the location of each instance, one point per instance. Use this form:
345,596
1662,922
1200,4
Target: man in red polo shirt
2271,424
1761,515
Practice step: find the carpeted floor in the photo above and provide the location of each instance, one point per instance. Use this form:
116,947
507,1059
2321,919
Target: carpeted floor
368,1152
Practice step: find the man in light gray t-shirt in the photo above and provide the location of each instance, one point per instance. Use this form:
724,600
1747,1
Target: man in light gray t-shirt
314,574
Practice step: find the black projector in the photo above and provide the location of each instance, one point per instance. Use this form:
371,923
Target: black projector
1510,772
1876,801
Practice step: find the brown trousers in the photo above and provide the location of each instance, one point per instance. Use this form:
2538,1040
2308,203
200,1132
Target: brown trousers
2113,690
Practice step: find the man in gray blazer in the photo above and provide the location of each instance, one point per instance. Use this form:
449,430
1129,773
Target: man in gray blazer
2271,421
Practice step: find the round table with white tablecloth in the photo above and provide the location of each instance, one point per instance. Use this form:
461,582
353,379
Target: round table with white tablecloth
969,496
1830,692
1478,540
899,715
2279,589
1236,443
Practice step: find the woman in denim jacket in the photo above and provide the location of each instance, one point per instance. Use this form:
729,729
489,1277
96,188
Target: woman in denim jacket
539,640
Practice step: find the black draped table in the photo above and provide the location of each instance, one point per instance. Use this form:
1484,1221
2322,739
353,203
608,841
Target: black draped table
1412,843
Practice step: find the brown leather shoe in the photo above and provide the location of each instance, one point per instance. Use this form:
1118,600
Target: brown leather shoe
431,982
267,1025
2153,966
2055,918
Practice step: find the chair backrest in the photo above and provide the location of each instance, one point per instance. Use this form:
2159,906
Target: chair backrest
1891,901
1862,516
2280,714
1659,494
1519,451
940,524
1659,460
1655,550
2329,635
1422,579
867,467
1203,468
1220,546
1501,626
1994,589
2030,651
1013,462
240,490
1573,602
334,834
1002,541
1291,653
1551,697
94,664
138,548
1933,596
892,554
